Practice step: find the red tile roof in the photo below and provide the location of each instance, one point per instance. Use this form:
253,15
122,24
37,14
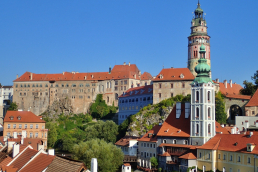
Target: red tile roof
254,100
146,76
177,145
127,164
153,133
148,89
26,116
165,154
173,126
24,158
39,163
125,140
8,168
118,72
232,92
176,127
231,142
6,161
189,155
174,74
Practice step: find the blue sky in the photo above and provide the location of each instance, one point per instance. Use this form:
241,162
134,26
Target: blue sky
47,36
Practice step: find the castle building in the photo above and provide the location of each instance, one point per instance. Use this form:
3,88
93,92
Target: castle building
75,91
198,36
202,103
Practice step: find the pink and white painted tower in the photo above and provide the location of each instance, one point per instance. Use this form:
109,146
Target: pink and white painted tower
198,36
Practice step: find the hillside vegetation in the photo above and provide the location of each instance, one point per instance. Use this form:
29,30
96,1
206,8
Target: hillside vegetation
149,116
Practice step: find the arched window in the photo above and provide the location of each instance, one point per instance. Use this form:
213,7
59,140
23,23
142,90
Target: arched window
197,128
209,95
197,112
209,112
209,128
197,96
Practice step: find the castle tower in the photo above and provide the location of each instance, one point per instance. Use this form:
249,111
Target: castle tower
198,36
202,103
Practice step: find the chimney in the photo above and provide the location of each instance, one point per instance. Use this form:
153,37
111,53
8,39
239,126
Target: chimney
222,125
230,81
225,83
16,149
140,73
17,76
63,73
51,151
129,64
92,76
246,125
31,75
85,77
24,133
251,133
22,140
232,131
94,165
124,63
15,135
9,145
40,146
217,80
109,72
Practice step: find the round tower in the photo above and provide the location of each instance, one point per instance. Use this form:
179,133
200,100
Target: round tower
198,36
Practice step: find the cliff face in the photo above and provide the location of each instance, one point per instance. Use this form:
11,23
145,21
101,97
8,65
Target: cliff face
147,118
57,107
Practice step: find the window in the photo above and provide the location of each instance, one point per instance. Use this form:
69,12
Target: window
209,112
8,134
224,157
159,95
116,89
37,126
183,85
144,144
25,126
197,128
154,146
121,87
160,86
164,141
36,135
239,159
124,87
253,112
219,156
172,94
197,96
14,126
31,126
116,82
141,153
172,85
147,145
197,112
46,85
209,94
31,135
125,82
231,158
8,126
248,160
45,135
209,128
174,141
20,126
200,155
209,156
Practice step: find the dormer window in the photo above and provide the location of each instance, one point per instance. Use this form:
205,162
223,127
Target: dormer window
161,76
182,76
19,117
250,147
11,117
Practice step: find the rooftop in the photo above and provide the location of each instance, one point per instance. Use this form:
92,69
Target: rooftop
171,74
138,91
125,141
254,100
153,135
22,116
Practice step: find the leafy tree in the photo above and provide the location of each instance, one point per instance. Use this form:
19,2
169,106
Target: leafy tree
220,114
52,134
109,157
67,142
255,78
102,130
154,162
249,88
13,106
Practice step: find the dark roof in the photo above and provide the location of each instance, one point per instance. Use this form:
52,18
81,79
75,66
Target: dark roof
65,164
148,89
125,140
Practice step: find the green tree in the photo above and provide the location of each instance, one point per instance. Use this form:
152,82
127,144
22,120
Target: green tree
249,88
52,134
154,162
67,142
102,130
109,157
13,106
220,114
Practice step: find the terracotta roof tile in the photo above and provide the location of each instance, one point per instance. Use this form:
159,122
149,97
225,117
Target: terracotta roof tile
232,92
125,140
65,164
122,68
173,126
146,76
231,142
24,158
153,133
189,155
138,91
221,130
165,154
238,96
174,74
177,145
39,163
6,161
254,100
26,116
9,168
